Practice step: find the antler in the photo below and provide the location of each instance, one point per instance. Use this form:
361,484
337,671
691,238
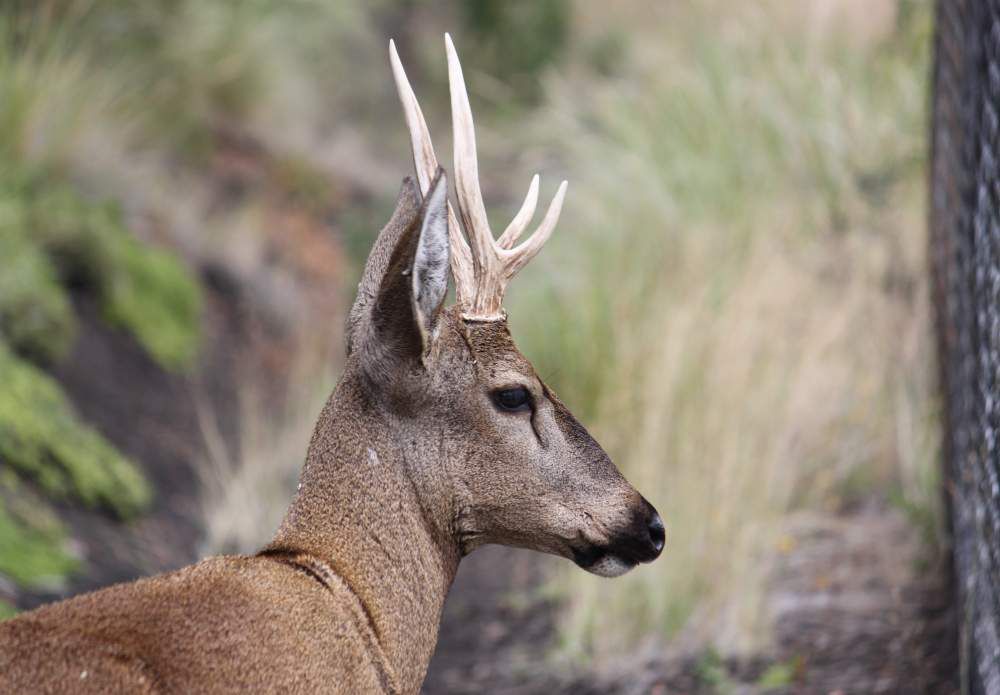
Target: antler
483,270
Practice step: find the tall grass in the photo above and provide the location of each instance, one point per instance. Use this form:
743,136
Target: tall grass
735,299
734,302
247,484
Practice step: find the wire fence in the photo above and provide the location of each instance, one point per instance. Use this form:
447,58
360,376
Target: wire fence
965,260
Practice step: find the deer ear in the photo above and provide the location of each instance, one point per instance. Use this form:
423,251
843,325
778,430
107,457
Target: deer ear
430,261
398,324
407,212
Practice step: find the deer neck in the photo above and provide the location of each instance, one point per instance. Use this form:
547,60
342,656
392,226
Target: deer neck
366,507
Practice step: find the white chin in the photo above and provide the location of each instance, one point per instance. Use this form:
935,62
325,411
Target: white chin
610,566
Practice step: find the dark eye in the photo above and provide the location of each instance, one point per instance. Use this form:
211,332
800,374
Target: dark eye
512,399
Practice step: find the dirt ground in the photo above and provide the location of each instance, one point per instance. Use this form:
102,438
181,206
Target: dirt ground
856,608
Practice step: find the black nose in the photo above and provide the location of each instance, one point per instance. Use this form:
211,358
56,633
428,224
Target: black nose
657,534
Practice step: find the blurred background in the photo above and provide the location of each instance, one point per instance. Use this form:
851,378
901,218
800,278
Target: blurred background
735,304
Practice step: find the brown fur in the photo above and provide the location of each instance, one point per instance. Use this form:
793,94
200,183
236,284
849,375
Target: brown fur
411,466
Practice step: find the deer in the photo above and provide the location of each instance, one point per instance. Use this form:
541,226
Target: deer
439,438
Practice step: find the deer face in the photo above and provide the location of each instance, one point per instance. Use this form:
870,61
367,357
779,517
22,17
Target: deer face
514,465
525,472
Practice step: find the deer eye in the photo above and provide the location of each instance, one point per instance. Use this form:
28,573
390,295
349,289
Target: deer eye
512,399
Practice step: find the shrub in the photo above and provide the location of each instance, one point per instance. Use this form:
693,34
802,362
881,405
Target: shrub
35,314
51,233
42,439
32,546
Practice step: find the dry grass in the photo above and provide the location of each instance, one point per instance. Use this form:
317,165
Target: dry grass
247,485
749,333
735,301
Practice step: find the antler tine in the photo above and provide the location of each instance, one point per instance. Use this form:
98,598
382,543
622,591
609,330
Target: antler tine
470,197
517,257
522,218
425,162
482,265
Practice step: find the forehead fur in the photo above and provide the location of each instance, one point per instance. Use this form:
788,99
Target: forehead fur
490,345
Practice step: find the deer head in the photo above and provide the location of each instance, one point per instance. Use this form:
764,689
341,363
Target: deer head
515,465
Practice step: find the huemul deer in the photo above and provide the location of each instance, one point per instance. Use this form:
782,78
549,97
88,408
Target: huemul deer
439,438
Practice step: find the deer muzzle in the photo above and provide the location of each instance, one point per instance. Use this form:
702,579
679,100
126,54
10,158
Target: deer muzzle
642,540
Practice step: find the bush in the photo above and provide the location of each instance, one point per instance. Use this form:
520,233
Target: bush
35,313
152,296
42,439
143,290
32,545
51,233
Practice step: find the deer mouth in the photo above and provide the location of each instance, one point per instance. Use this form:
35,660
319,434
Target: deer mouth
641,542
602,562
614,559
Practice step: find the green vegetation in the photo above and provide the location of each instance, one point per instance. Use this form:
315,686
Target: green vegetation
779,675
41,438
712,672
57,237
173,72
32,541
54,238
35,313
31,557
152,296
52,235
87,90
7,610
515,42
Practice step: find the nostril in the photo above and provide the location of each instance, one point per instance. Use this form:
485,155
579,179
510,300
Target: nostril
657,534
